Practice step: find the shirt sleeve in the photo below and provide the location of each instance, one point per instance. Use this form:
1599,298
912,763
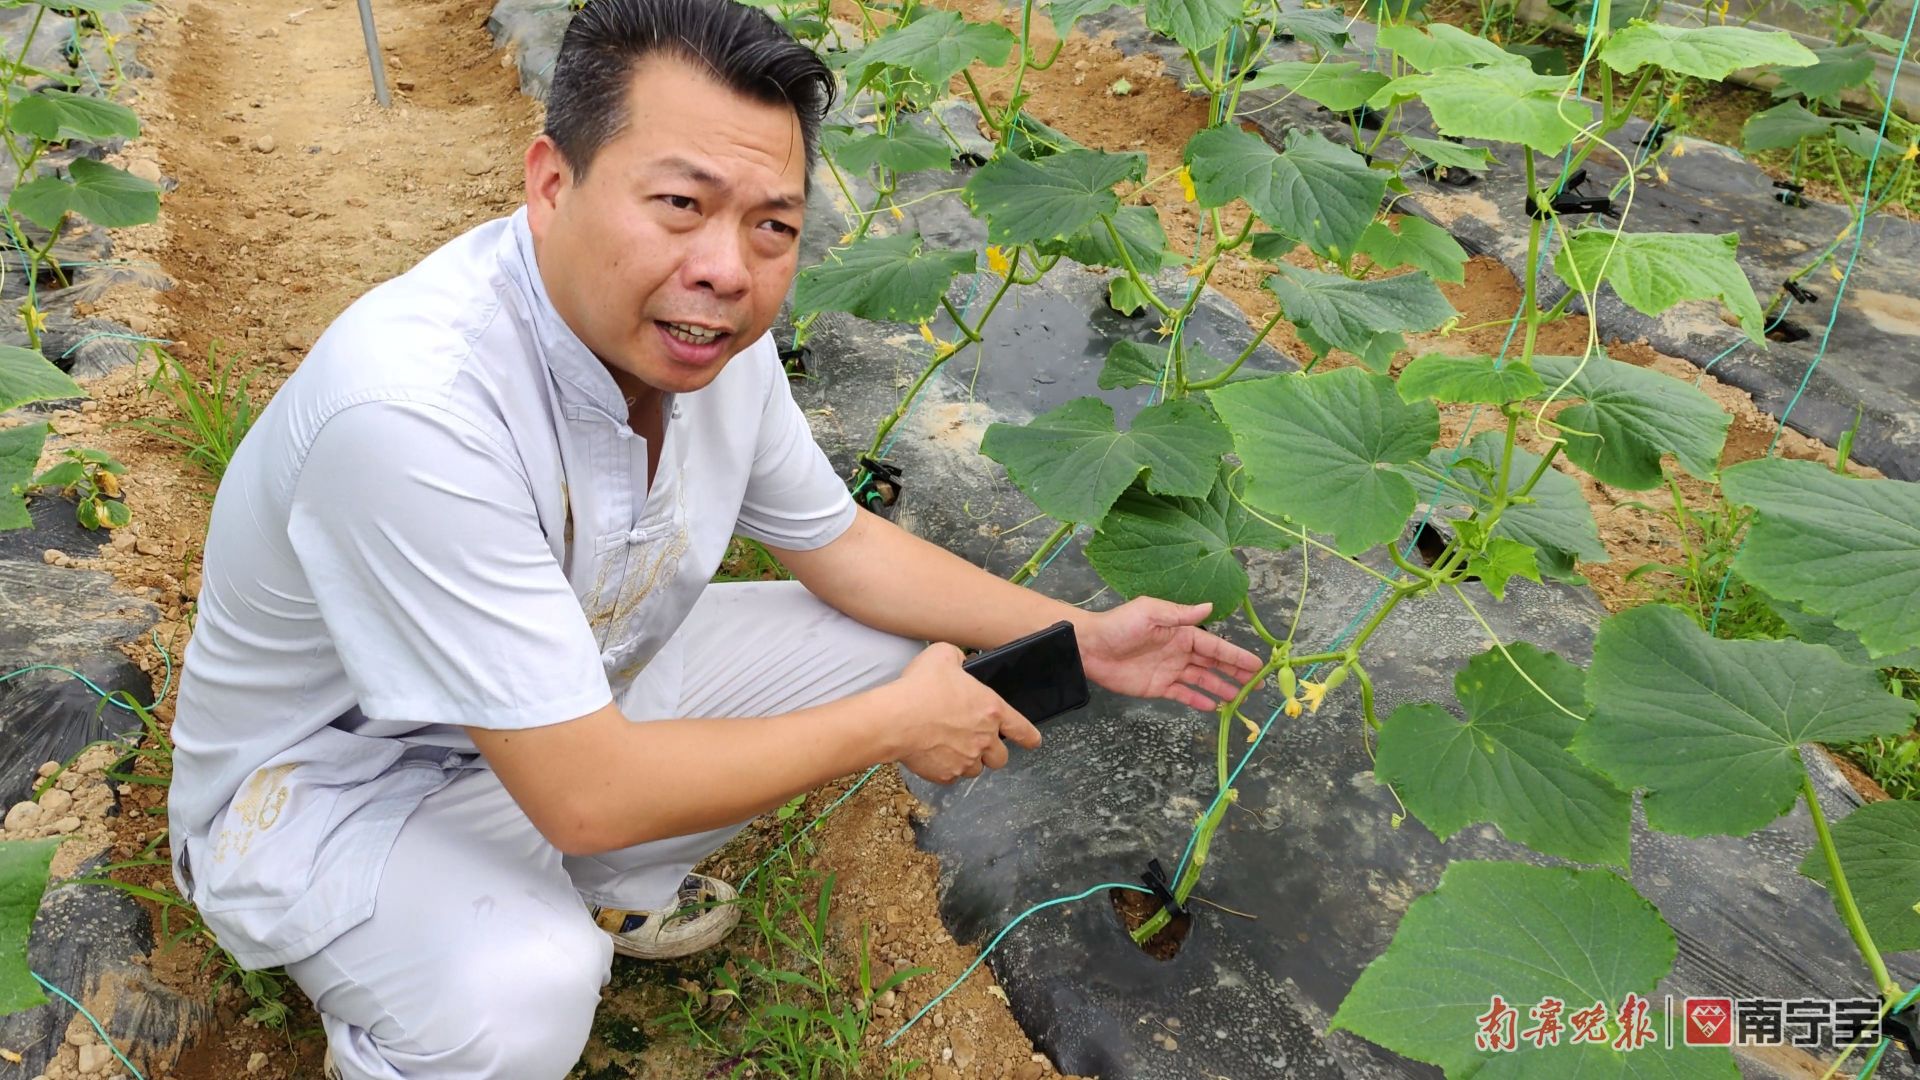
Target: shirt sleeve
794,498
424,552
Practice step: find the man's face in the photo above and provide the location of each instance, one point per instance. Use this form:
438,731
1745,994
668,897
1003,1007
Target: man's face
676,250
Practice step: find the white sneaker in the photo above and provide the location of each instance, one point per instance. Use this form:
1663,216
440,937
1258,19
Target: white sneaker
702,916
328,1070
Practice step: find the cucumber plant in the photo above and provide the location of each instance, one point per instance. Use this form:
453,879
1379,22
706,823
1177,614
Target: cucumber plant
1339,458
43,113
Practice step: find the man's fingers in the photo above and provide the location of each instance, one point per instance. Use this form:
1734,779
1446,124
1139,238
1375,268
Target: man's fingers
996,755
1019,729
1224,653
1208,680
1187,695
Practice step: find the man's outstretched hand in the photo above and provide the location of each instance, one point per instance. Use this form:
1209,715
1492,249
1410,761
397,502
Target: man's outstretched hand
1154,648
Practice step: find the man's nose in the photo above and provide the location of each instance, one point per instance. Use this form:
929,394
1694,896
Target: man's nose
718,262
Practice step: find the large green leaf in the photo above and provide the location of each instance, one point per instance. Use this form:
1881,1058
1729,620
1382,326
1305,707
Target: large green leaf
1195,24
1704,52
26,376
1349,314
19,455
23,880
1067,12
1478,379
1631,417
934,47
1180,549
1839,68
1558,524
1712,728
1820,630
1073,464
1508,763
905,149
1342,87
887,278
58,115
99,193
1144,241
1780,127
1838,546
1442,45
1326,29
1419,243
1315,446
1507,102
1521,933
1315,192
1654,271
1052,198
1879,847
1135,363
1452,155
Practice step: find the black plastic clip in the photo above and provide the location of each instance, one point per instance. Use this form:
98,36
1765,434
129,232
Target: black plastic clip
1903,1027
968,159
1800,293
797,360
1654,137
1790,193
1566,202
877,484
1156,879
1448,175
1368,117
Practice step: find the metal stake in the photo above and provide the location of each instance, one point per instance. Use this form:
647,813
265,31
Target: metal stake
374,58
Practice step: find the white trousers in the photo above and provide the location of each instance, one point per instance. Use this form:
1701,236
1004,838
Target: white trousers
480,961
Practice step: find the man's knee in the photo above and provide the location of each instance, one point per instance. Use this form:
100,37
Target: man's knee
533,998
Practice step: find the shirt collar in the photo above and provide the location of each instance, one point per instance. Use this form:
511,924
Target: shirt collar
579,372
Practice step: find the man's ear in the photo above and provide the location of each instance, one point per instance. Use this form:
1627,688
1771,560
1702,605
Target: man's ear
548,178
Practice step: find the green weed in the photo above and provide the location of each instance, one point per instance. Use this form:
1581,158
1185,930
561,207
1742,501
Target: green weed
749,560
211,415
1700,583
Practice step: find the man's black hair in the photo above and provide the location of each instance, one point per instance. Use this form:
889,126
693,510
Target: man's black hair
741,47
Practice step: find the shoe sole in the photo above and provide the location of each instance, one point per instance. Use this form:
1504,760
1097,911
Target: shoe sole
718,926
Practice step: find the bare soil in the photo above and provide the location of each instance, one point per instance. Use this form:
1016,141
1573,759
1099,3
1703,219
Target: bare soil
296,194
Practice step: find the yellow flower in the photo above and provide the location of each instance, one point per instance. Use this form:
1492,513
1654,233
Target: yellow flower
897,215
33,317
1679,148
1253,729
926,332
1163,330
846,238
1913,151
1661,172
1313,693
1186,184
997,260
1835,271
1293,707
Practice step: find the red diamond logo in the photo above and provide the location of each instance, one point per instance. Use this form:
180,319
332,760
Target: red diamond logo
1709,1021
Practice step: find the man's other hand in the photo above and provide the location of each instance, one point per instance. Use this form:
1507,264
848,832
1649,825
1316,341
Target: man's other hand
959,724
1153,648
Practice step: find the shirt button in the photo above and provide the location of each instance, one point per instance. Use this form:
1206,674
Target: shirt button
625,431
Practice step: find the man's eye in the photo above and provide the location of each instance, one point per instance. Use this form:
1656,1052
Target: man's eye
678,202
780,227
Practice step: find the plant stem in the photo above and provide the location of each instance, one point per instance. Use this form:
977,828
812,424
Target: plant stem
1843,893
1042,553
1221,379
1530,305
920,381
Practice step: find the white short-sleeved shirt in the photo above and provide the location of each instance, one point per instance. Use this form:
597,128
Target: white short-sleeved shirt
443,520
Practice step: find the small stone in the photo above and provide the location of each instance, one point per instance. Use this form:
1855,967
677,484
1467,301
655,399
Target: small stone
1029,1070
47,768
52,557
887,999
257,1062
295,341
939,1020
123,540
480,163
148,546
80,1036
93,1058
56,803
962,1048
268,32
145,170
23,816
264,144
65,825
946,1053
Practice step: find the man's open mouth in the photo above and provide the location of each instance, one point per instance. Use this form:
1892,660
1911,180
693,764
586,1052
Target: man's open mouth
691,334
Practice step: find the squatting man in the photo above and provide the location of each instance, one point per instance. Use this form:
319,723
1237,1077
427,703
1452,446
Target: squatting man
462,711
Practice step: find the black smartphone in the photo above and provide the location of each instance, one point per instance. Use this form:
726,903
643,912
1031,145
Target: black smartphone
1039,675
